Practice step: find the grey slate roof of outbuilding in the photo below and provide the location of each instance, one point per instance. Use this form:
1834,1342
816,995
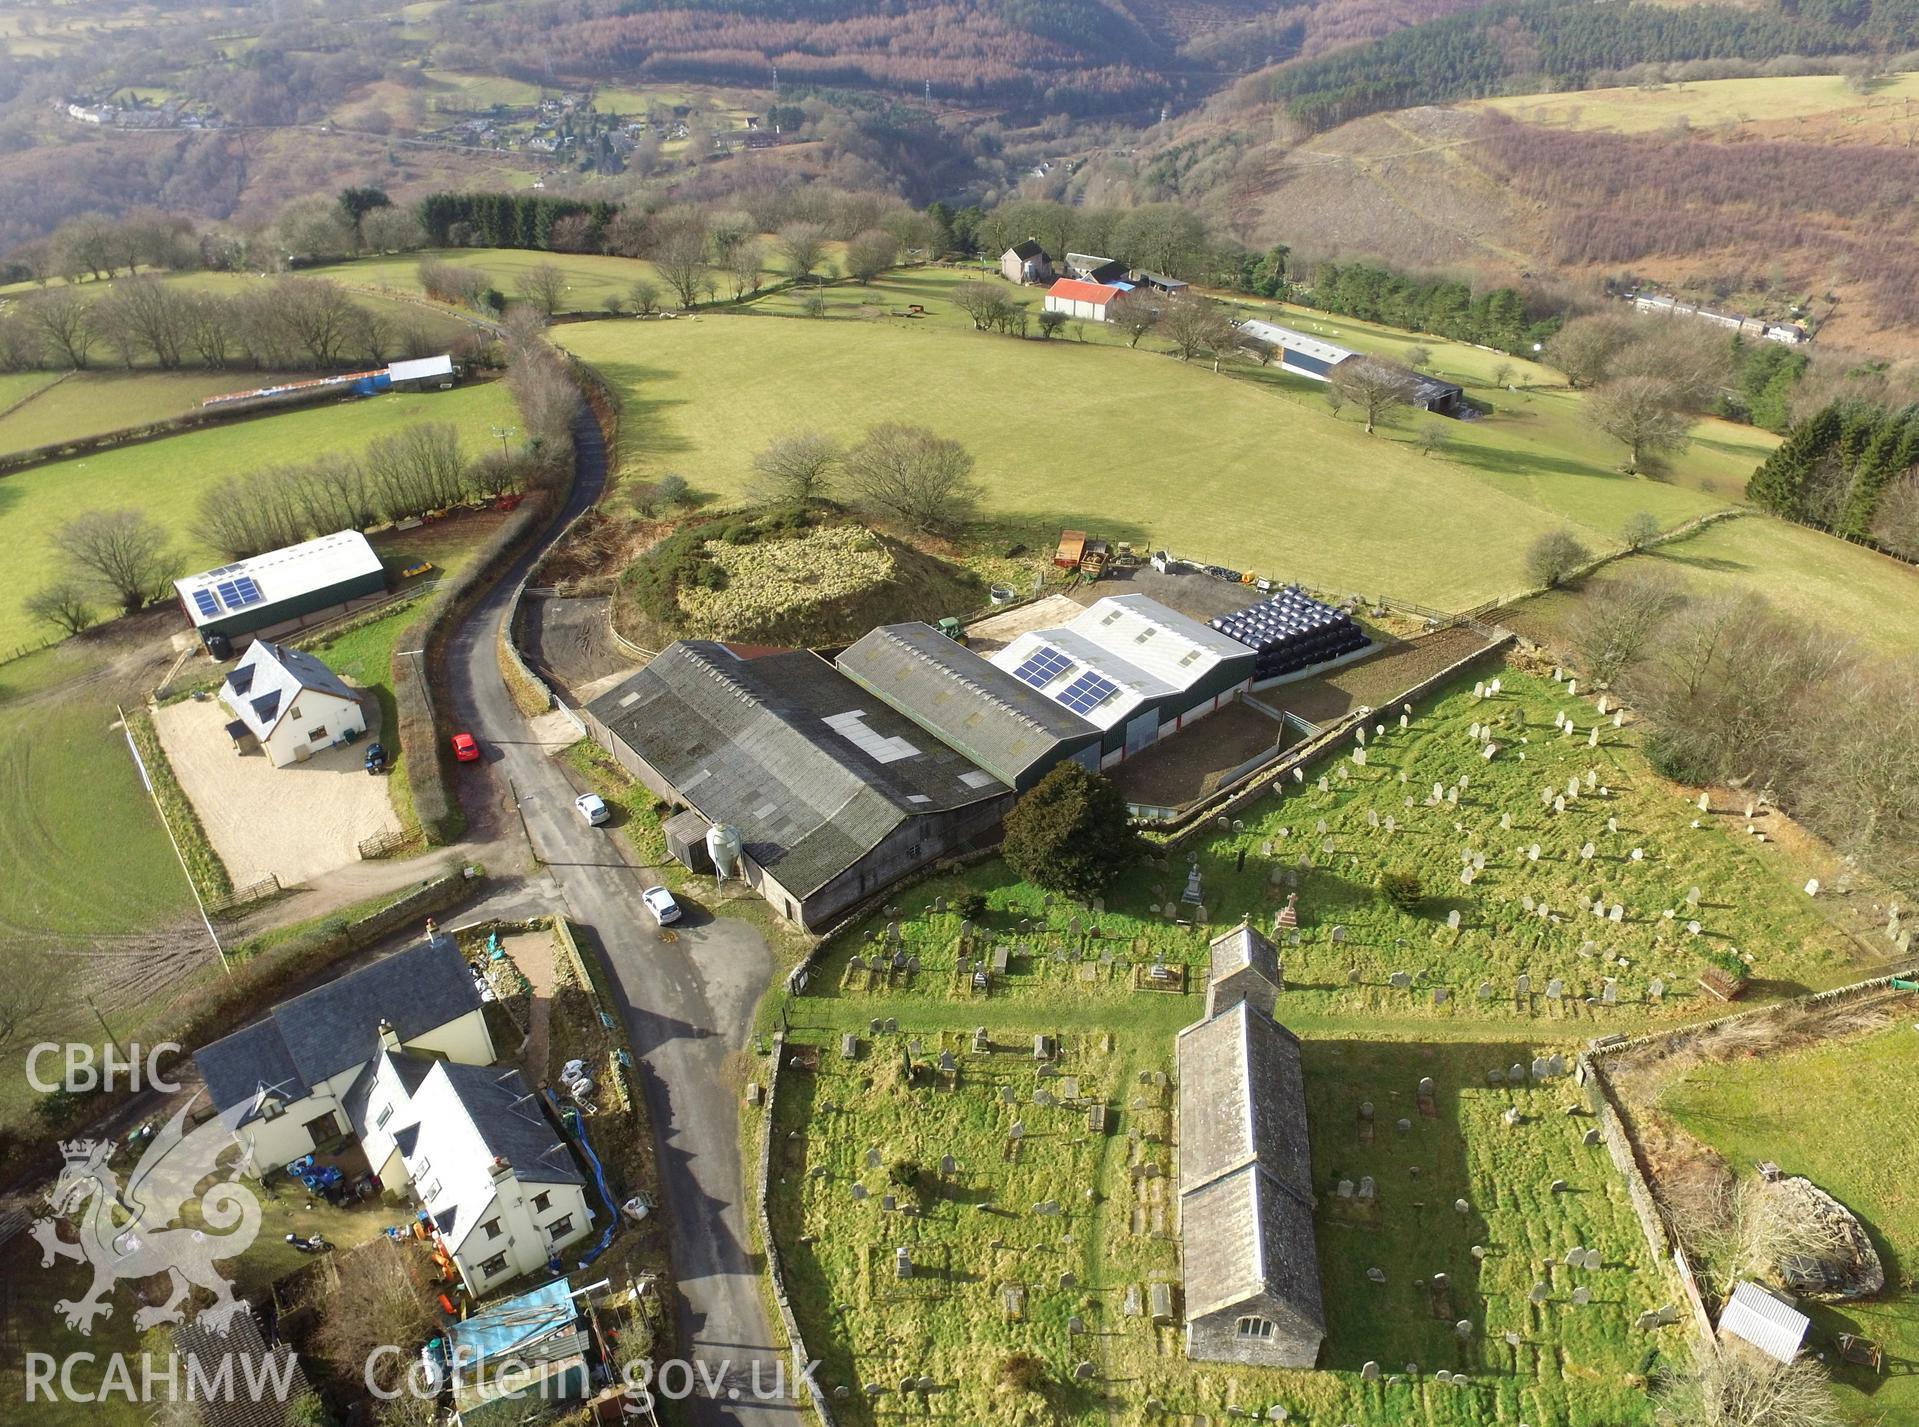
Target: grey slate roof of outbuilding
242,1348
1002,724
1245,946
1245,1168
334,1027
812,770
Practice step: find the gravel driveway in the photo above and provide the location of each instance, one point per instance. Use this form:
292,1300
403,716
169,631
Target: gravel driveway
294,823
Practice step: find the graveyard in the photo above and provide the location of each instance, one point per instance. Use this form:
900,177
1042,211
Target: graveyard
974,1139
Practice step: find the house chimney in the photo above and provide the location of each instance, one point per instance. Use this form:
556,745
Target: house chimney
389,1038
501,1169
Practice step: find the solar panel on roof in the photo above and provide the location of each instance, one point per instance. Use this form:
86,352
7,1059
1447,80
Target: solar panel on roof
1087,693
204,599
1042,666
238,593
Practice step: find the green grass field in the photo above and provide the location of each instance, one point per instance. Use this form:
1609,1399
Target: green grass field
165,477
1708,103
591,277
1857,593
1252,472
90,403
1839,1114
452,91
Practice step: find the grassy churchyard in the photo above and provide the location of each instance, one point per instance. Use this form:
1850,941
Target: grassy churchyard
1382,999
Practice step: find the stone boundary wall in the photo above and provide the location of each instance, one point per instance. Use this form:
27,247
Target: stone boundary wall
1615,1124
775,1271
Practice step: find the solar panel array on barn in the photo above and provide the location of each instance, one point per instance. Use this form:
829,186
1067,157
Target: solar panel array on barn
1290,632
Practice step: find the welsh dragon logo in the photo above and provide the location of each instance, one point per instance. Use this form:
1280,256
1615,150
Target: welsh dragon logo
136,1233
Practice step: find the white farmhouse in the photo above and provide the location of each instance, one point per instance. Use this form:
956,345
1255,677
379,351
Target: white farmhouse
398,1057
289,704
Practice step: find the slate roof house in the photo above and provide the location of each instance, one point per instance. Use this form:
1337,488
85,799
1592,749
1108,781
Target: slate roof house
288,704
398,1055
1247,1251
1026,262
1007,727
834,794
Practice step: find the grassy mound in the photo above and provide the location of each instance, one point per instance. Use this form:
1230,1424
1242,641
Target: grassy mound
785,576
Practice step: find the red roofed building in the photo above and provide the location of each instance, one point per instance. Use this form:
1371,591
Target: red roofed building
1081,299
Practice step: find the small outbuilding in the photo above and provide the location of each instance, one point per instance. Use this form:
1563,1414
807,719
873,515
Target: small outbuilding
1089,300
1763,1322
288,704
421,373
1026,263
1090,267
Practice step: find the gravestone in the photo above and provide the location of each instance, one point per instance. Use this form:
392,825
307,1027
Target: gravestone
1523,986
1582,1295
1047,1209
1555,989
1540,1292
1400,980
1485,991
1460,1206
1367,1189
1344,1189
1516,1073
1068,1281
1441,995
1452,919
1376,1275
1403,1126
1369,1371
874,1159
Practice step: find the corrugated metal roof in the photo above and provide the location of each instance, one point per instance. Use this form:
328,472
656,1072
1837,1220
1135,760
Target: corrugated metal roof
283,574
1293,341
1070,287
1756,1317
1171,647
1002,724
420,368
811,768
1133,686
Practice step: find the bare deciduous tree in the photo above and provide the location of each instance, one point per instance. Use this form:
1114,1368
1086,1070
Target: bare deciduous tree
796,469
1640,530
1193,325
979,301
544,286
681,259
65,322
1555,555
380,1301
1584,348
1617,618
1374,387
124,550
869,254
67,605
912,475
744,262
801,248
1135,314
645,297
1738,1389
155,314
1643,414
317,314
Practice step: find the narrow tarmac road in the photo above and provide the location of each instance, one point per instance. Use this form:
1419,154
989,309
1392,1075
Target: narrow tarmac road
688,1004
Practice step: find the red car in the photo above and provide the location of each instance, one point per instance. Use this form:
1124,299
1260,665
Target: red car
465,749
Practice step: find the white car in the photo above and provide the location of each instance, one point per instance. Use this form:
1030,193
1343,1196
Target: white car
660,903
593,808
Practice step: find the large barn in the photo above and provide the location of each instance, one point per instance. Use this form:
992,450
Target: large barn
1247,1250
282,589
1006,726
834,794
1317,359
1090,300
1132,668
